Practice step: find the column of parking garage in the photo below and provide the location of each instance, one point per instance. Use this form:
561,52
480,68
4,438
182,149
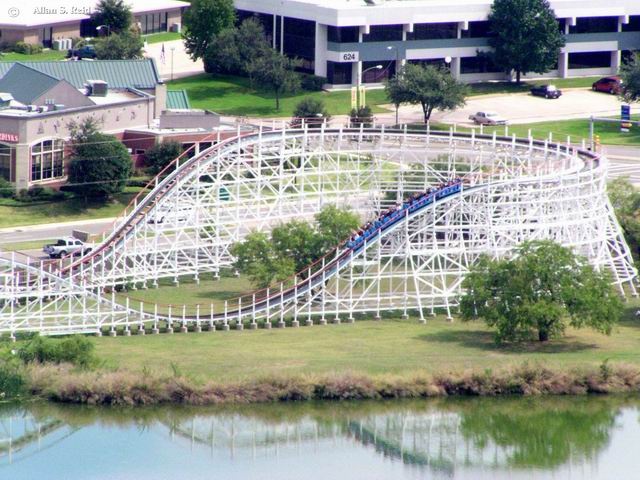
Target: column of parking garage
563,59
356,68
455,61
616,55
320,63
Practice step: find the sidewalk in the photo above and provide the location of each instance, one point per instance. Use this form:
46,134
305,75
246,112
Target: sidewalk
183,66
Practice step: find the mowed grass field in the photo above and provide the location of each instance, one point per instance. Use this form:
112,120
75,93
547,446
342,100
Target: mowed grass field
578,129
233,95
390,346
14,213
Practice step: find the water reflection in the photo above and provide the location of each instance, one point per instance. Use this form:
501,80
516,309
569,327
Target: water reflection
441,438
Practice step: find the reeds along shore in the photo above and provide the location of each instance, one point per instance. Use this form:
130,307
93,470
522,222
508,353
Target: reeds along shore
63,383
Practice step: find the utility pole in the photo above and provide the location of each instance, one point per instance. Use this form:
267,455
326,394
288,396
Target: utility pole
173,49
391,47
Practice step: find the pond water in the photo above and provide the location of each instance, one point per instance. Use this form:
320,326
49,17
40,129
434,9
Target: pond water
515,438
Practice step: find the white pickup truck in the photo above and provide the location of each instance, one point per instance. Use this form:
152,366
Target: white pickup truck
66,246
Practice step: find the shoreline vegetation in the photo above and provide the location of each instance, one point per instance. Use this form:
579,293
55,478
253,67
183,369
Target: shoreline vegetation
66,384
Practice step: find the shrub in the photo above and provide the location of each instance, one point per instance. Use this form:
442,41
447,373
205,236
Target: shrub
27,48
39,194
313,83
75,349
6,189
11,380
22,47
312,111
361,116
161,155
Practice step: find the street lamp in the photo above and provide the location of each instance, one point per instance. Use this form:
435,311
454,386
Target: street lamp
173,49
359,81
393,47
100,27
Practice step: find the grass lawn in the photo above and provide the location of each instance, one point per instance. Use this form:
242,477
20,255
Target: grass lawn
206,292
162,37
13,213
21,246
231,95
389,346
577,129
484,88
45,55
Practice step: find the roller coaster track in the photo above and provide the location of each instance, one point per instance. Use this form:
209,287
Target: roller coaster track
414,259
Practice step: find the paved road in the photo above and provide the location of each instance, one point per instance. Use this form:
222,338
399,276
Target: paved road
55,230
624,161
525,108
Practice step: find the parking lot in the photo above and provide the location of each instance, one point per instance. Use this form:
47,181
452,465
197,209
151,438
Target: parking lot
525,108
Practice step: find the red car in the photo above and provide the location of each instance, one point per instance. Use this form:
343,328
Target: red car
612,85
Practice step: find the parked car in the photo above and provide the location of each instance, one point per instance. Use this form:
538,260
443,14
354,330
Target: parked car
88,51
488,118
66,246
612,85
546,91
180,216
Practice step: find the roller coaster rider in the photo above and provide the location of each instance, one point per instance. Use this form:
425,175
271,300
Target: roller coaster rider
390,216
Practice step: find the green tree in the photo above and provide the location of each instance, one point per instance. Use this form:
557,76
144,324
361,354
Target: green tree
625,200
119,46
115,14
252,44
525,36
222,55
630,74
276,71
312,110
541,291
257,258
298,241
203,21
99,164
429,86
235,50
292,247
335,225
161,155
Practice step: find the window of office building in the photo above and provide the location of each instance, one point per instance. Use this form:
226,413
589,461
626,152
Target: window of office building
153,22
478,64
633,25
5,161
595,25
562,22
590,60
377,75
343,34
300,41
431,31
47,160
383,33
339,73
476,30
437,62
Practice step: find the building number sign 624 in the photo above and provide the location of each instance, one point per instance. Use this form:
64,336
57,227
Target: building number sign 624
350,57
